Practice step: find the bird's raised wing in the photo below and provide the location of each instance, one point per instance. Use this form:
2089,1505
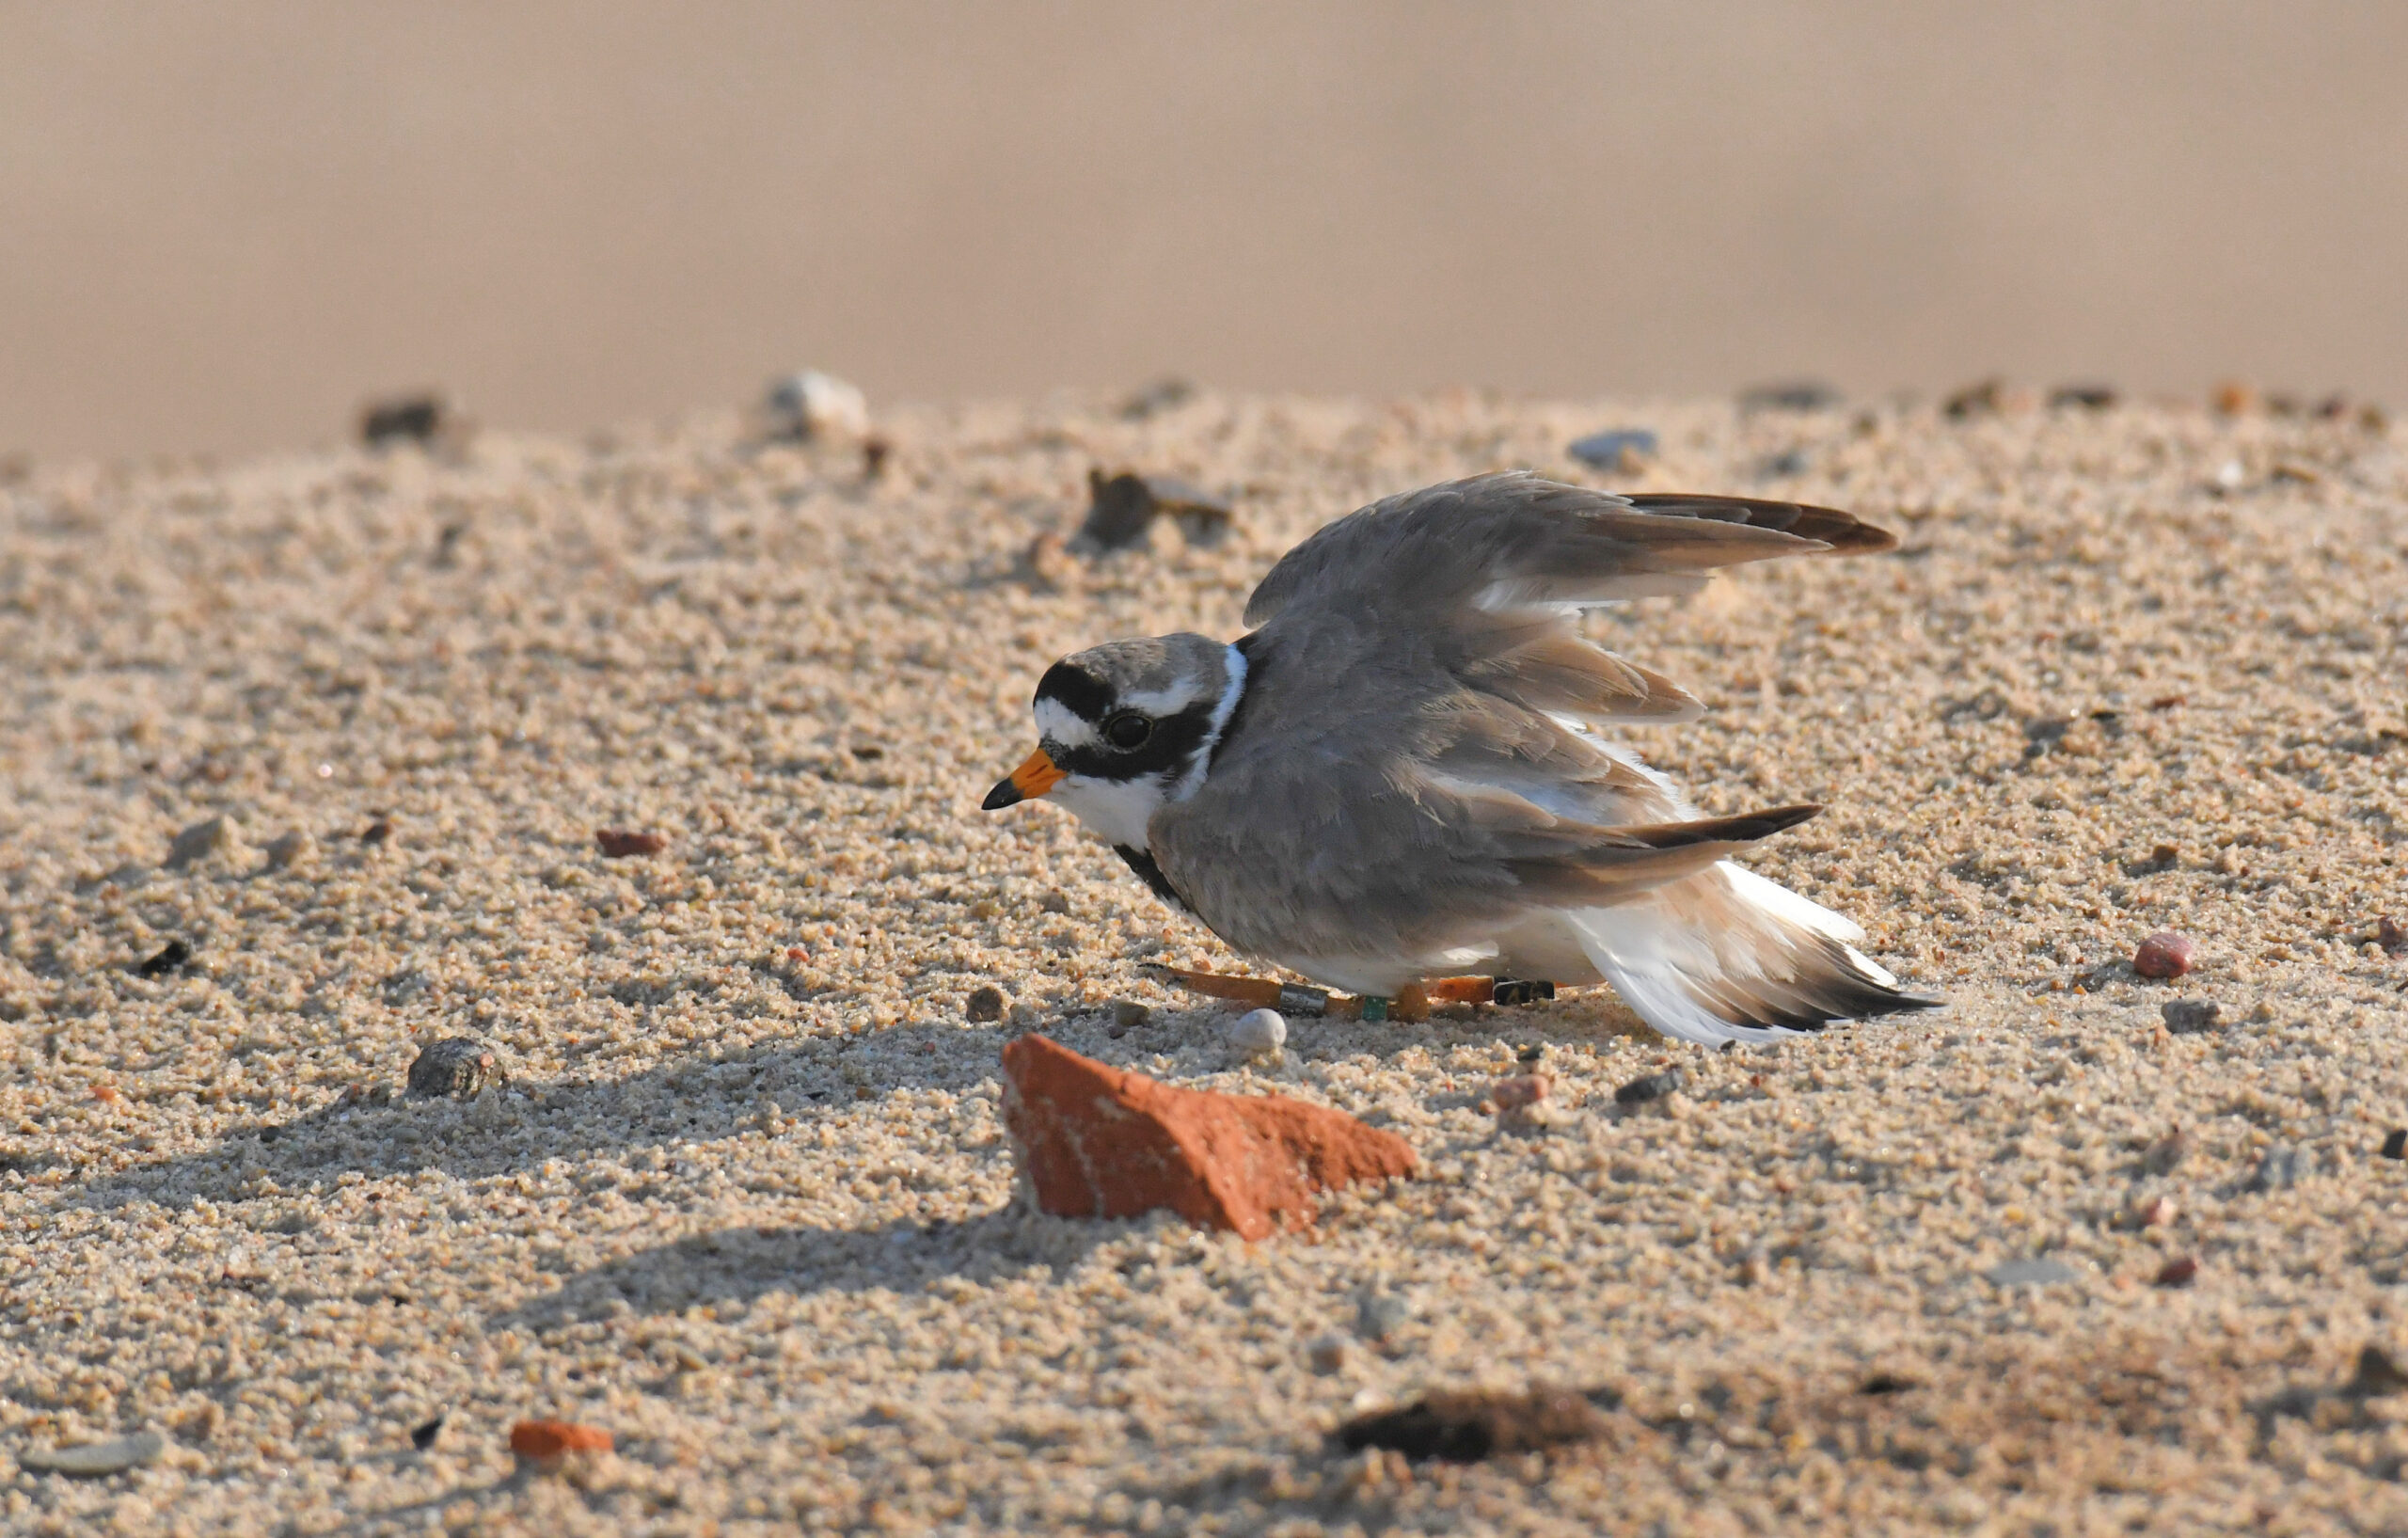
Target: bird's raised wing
1491,573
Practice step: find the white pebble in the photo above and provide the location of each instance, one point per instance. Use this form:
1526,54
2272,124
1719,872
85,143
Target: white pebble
1258,1033
814,406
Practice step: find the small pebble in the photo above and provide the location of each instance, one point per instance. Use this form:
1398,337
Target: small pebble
1519,1092
2390,936
175,953
1258,1033
626,843
1129,1014
425,417
544,1441
2032,1271
2177,1271
1380,1313
810,406
2394,1144
2165,856
1609,450
1650,1087
376,833
2156,1213
423,1436
198,841
1327,1353
985,1005
2377,1373
90,1460
2185,1016
459,1066
2277,1170
1791,395
2162,1156
2235,398
288,849
2165,954
2087,397
1980,398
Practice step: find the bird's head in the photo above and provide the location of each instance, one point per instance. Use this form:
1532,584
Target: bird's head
1123,727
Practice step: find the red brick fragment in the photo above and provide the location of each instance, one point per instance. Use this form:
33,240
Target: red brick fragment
1101,1142
544,1440
2165,954
619,843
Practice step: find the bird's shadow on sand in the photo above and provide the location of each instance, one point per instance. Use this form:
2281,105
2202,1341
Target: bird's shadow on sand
685,1100
737,1266
665,1104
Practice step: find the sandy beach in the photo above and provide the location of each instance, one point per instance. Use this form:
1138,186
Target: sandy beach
746,1202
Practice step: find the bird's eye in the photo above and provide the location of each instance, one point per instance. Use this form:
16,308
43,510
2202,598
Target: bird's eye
1128,730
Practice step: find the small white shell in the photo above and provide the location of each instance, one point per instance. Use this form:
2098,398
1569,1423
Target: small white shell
1258,1033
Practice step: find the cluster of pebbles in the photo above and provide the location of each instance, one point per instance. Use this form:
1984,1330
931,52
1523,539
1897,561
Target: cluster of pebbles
312,764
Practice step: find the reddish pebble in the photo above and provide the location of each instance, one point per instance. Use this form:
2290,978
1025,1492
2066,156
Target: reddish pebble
1517,1093
105,1094
544,1440
2164,954
619,843
2178,1273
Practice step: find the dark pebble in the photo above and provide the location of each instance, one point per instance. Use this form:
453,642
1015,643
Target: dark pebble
376,833
404,419
423,1436
1888,1382
2087,397
2177,1271
2394,1144
2390,936
2377,1373
457,1067
1467,1427
1128,1014
1975,400
1605,450
626,843
175,953
985,1005
1164,394
2184,1017
1649,1087
1791,395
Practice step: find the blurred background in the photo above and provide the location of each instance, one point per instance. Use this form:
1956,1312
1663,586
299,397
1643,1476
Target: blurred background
224,225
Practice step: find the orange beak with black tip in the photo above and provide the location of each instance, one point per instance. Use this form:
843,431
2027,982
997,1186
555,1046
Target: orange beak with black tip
1034,778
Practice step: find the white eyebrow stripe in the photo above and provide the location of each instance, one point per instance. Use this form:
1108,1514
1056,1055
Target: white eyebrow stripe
1058,724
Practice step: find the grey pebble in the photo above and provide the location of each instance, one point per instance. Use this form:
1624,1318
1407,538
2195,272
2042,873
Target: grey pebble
1650,1087
199,840
93,1459
457,1067
288,849
2278,1170
985,1005
2035,1270
1605,450
2185,1016
1129,1014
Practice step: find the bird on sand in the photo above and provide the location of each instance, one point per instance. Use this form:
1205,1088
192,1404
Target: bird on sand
1403,772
